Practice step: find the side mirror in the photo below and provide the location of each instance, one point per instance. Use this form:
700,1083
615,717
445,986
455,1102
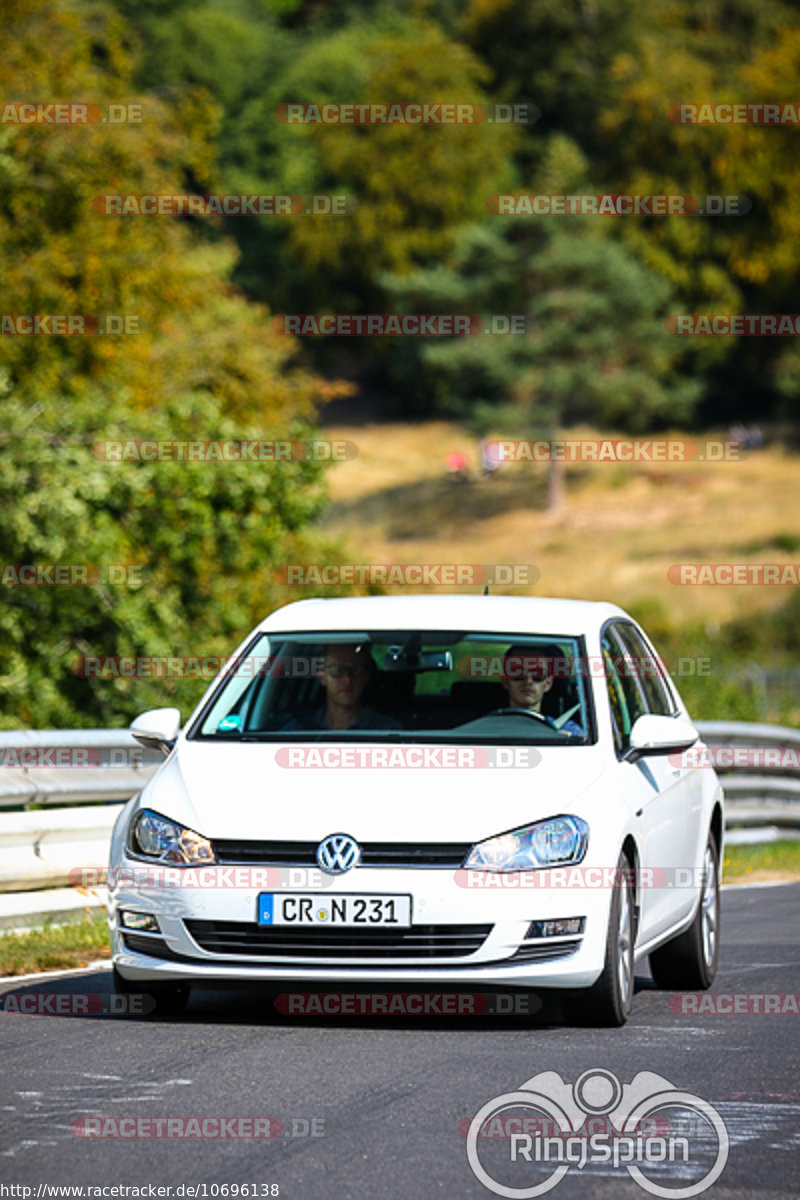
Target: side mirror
157,729
653,734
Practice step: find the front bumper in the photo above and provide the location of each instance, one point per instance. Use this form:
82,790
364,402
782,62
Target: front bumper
500,954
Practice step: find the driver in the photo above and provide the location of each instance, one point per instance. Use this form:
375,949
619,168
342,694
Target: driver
528,675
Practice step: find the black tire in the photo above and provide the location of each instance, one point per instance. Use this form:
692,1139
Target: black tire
165,999
690,959
608,1002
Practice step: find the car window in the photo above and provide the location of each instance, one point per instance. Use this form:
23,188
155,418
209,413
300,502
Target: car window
646,668
411,685
625,697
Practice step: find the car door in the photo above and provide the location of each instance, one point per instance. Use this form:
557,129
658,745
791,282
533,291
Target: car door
668,795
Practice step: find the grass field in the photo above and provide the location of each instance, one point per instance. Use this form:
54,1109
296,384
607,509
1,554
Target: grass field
71,944
620,529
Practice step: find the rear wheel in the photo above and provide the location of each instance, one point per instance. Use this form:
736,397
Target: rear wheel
690,959
166,998
608,1002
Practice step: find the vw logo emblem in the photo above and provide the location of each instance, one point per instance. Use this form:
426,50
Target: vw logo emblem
337,853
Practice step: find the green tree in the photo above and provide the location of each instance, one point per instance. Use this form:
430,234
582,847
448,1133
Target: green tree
408,186
205,537
594,346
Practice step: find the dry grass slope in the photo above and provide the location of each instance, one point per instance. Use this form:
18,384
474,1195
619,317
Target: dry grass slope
620,529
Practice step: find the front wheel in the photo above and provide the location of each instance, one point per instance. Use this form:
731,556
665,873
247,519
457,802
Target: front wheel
690,960
608,1002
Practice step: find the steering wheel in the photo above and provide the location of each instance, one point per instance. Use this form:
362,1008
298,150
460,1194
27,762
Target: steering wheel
519,712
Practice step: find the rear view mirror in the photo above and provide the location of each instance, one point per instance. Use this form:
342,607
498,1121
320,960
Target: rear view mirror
400,659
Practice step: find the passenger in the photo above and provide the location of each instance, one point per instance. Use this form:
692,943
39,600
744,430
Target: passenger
345,674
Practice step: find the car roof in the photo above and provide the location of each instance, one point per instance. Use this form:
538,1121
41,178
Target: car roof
517,615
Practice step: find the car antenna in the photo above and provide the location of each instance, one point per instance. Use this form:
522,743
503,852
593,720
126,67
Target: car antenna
486,590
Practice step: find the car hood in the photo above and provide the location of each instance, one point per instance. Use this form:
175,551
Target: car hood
242,792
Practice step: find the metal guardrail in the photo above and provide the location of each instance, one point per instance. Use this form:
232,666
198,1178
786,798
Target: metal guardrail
92,771
41,845
81,766
761,791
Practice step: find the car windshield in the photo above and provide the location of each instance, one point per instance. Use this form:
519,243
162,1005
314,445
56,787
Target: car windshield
406,685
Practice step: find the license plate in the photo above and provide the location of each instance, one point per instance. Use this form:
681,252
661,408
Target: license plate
293,908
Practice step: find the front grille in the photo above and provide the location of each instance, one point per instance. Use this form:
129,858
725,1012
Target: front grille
373,854
544,951
418,941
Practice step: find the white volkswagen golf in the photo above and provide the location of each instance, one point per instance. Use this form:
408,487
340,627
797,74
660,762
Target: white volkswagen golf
427,790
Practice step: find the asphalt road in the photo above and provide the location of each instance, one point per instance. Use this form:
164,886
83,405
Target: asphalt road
378,1107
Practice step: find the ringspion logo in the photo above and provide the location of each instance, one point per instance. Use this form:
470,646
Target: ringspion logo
532,1163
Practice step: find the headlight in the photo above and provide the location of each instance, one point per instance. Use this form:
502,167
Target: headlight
556,842
152,836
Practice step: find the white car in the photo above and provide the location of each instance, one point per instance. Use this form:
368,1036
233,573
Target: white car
429,790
